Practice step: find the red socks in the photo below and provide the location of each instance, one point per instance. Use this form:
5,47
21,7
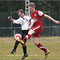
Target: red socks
27,37
41,47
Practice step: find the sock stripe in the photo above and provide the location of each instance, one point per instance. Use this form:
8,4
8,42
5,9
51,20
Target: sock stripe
41,47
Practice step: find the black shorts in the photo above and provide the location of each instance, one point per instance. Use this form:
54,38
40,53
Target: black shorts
24,33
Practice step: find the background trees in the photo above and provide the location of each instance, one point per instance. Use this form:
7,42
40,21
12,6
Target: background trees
13,5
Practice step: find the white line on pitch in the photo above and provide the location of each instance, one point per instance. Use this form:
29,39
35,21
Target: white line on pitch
17,55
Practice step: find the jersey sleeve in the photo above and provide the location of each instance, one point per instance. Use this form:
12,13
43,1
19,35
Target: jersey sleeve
18,21
40,13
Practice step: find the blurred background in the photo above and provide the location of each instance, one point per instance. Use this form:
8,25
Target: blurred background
10,7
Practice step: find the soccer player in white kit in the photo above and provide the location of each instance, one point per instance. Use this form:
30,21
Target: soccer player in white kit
25,24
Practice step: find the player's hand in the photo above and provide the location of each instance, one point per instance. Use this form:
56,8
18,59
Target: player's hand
29,28
57,22
9,17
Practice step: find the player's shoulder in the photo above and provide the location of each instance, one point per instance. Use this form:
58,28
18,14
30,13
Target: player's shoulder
20,18
27,17
38,11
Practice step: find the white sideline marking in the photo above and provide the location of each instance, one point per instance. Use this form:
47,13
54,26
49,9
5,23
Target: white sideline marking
17,55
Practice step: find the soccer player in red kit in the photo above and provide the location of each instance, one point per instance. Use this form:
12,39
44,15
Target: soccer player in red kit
36,27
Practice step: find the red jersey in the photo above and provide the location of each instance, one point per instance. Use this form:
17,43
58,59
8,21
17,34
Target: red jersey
37,16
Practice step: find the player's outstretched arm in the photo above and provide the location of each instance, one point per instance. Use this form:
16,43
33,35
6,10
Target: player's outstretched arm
18,21
11,18
50,18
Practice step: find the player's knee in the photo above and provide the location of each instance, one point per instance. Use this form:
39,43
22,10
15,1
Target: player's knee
24,45
36,40
36,43
31,32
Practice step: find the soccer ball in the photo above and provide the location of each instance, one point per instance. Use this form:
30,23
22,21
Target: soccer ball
17,37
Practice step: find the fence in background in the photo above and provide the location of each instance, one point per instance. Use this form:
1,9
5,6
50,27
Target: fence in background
7,29
47,31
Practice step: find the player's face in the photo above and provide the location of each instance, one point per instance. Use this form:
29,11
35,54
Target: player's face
31,9
20,14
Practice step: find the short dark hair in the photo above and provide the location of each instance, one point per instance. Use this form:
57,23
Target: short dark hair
31,4
20,10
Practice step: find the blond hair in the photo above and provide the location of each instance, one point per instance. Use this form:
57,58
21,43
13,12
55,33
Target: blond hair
31,4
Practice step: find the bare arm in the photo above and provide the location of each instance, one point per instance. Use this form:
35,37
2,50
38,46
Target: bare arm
50,18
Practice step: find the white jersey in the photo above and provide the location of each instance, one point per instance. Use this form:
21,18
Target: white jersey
23,21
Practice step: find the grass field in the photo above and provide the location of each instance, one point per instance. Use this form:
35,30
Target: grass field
51,43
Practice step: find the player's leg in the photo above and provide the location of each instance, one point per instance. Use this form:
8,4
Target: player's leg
25,52
27,36
39,45
15,47
24,47
24,33
36,42
32,31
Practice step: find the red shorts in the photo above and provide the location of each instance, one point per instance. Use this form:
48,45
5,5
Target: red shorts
37,30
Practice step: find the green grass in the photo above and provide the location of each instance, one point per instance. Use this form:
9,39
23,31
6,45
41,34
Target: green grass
51,43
